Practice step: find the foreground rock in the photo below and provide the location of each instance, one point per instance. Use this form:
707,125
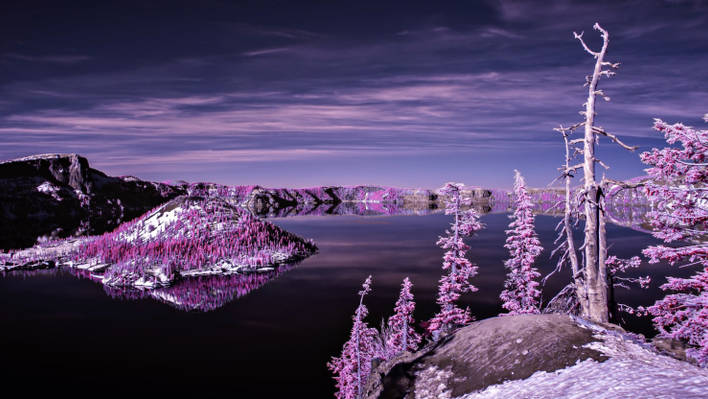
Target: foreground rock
537,356
59,195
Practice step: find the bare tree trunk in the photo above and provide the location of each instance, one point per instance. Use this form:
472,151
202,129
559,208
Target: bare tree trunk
578,280
457,224
597,289
594,270
594,263
358,350
405,334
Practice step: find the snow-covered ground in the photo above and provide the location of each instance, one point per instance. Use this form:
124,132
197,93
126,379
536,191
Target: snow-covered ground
154,225
50,189
633,371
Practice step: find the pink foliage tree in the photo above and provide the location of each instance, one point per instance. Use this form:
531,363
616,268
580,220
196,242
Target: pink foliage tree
401,335
521,293
352,368
459,268
679,192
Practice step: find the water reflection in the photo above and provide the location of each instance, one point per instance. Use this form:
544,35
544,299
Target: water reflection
202,294
61,326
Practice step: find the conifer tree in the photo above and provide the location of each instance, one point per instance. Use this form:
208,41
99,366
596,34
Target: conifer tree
352,368
459,269
402,335
678,191
521,293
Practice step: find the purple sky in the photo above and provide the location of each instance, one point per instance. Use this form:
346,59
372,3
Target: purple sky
285,93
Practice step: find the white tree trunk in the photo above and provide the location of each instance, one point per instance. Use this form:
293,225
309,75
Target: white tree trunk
578,277
597,309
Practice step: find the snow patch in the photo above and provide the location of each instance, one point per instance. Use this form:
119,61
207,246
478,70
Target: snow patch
632,371
51,189
153,226
431,383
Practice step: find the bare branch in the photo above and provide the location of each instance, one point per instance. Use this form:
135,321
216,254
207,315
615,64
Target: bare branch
559,224
567,130
603,32
601,163
585,46
574,167
613,138
605,182
692,163
602,94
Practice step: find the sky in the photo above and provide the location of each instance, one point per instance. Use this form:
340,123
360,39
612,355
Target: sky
305,93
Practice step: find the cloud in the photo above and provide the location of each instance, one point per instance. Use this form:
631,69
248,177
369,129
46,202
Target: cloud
219,156
489,32
279,32
266,51
51,59
435,88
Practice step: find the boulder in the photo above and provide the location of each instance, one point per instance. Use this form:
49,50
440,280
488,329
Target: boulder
540,356
485,353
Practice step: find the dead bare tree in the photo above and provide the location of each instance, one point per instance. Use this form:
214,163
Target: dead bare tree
590,279
565,226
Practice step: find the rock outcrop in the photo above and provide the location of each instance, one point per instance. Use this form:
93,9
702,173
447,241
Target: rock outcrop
537,356
59,195
485,353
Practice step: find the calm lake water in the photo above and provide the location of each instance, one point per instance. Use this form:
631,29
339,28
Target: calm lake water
64,333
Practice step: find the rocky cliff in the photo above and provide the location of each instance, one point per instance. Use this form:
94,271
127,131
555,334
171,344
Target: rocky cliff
338,200
58,195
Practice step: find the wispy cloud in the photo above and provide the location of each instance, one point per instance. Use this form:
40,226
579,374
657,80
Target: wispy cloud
314,98
490,32
266,51
220,156
287,33
51,59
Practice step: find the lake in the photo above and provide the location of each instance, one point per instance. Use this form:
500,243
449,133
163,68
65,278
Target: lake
65,333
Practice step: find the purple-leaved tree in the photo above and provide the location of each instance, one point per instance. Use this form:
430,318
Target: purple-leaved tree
521,293
401,334
459,269
352,368
679,193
